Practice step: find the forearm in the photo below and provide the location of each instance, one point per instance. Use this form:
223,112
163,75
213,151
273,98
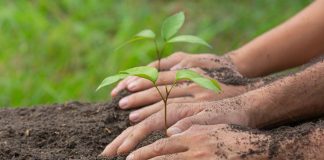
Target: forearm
294,97
290,44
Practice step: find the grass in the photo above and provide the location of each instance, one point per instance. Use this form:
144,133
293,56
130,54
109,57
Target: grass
58,51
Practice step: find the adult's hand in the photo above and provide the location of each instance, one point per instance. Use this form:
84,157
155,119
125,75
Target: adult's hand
178,60
185,93
144,93
207,142
225,111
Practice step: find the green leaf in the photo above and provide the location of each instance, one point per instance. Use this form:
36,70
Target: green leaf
111,79
186,74
171,25
147,72
189,39
197,78
207,83
147,33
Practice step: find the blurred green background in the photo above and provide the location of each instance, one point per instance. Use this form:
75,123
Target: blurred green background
58,51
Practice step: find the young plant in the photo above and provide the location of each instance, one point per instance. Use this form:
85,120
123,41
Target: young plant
169,28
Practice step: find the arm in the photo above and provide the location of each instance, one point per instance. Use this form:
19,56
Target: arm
291,44
295,97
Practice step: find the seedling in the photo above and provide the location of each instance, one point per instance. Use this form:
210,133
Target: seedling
170,27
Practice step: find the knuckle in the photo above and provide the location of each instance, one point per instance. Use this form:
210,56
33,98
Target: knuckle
159,146
193,86
200,137
195,127
184,111
201,153
206,95
128,130
187,122
185,63
146,125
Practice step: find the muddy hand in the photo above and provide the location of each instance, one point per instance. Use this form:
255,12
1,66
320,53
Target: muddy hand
129,138
176,61
206,142
145,94
196,95
182,116
228,111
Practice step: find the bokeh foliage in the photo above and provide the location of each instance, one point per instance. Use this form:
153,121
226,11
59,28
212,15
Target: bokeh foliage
53,51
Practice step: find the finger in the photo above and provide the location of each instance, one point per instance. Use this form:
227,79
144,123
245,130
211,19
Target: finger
111,149
187,122
165,64
164,78
200,60
155,123
151,96
164,146
176,156
141,114
181,65
122,85
170,61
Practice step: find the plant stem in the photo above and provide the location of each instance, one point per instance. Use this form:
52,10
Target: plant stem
157,54
159,92
167,92
166,104
165,116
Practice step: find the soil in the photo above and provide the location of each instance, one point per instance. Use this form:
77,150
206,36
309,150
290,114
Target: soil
78,130
73,130
81,131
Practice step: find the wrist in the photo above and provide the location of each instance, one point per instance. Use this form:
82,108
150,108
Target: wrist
238,63
259,108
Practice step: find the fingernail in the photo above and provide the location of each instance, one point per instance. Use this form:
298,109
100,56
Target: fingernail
173,131
101,155
130,157
134,116
131,86
123,103
114,92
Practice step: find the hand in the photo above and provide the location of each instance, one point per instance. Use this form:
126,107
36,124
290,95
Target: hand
207,142
191,93
146,94
180,60
207,113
